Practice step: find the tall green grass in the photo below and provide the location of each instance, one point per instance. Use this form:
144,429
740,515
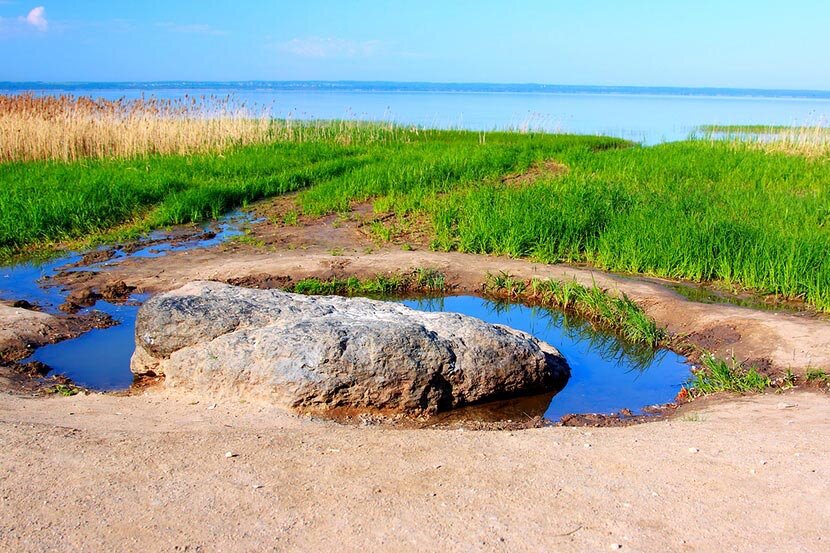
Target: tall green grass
691,210
47,201
698,210
618,314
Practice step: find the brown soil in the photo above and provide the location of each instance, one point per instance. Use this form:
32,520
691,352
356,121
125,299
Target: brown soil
150,472
549,168
715,337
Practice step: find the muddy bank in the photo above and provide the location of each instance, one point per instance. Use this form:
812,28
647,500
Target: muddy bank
273,255
23,329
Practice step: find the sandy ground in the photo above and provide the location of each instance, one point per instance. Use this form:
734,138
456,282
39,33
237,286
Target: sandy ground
150,473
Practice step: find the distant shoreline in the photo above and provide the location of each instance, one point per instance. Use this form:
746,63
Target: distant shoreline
413,87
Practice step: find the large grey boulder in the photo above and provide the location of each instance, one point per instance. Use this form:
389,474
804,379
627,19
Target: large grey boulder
318,353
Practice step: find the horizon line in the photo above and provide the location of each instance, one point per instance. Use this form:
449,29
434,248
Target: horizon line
538,87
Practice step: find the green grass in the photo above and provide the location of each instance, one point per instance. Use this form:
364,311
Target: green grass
697,210
818,376
43,202
65,390
719,375
416,281
615,313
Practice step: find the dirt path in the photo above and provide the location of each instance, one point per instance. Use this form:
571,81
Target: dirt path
149,473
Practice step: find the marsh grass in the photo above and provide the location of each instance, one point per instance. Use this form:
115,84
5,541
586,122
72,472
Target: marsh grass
416,281
618,314
69,128
808,141
725,375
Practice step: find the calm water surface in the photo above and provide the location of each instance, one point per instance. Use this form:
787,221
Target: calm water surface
648,115
606,374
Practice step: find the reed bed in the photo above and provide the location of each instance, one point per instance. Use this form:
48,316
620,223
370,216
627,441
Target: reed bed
69,128
809,141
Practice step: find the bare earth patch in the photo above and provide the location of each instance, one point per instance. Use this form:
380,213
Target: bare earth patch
548,168
151,472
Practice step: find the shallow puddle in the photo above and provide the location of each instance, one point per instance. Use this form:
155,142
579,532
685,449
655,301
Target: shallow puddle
607,375
29,281
98,359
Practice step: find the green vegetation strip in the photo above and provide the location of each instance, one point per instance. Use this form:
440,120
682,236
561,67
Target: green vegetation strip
417,281
755,129
617,314
697,210
719,375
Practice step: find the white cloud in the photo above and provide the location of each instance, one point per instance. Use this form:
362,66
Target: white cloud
317,47
37,19
191,28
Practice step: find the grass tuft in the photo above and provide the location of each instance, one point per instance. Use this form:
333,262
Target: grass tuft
818,376
65,390
417,281
719,375
617,314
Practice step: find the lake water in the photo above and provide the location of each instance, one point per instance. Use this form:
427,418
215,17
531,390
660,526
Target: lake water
643,114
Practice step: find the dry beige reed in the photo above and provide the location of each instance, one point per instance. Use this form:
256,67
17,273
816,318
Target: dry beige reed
68,128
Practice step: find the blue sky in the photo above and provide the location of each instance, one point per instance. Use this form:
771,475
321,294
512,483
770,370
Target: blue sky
739,43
